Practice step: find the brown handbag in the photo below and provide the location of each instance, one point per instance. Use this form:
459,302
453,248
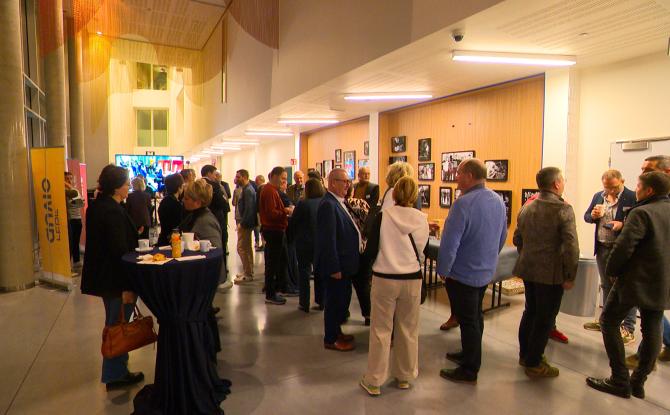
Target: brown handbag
122,337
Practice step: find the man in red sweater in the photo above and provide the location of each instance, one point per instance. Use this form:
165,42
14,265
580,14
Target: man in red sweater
274,221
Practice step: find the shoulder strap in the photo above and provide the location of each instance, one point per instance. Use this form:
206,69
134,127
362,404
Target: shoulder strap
416,252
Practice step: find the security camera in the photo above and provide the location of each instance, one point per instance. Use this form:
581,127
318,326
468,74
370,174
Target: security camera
457,35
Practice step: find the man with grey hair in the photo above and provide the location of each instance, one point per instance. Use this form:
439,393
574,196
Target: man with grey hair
296,191
366,190
546,238
607,210
473,235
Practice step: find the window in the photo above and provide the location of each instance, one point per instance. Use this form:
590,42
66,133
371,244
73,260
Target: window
151,76
152,128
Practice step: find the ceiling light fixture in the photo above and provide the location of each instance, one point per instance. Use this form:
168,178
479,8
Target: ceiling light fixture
219,147
307,121
385,97
217,152
239,143
99,33
269,133
513,58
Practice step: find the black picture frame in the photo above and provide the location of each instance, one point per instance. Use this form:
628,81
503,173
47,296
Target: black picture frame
424,195
394,159
350,164
399,144
327,167
497,170
506,196
450,162
446,194
338,155
425,149
366,148
426,171
527,194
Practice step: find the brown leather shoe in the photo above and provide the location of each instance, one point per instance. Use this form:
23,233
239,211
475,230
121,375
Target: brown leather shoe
345,338
449,324
339,346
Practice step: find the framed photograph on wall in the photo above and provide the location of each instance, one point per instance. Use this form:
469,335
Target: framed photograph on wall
394,159
338,166
426,171
424,195
366,148
527,194
350,164
450,162
319,168
424,149
398,144
506,196
445,197
327,167
457,194
497,170
338,156
363,163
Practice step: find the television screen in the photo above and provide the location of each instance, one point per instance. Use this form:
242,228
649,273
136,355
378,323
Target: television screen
153,168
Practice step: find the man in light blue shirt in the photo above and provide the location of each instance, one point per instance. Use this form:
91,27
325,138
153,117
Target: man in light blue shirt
473,235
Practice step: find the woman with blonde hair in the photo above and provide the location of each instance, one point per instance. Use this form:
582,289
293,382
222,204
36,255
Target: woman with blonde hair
397,171
395,248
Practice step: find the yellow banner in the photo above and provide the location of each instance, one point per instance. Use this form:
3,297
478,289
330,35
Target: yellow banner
48,165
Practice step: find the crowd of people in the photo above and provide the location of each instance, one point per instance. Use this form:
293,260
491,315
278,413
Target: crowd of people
347,237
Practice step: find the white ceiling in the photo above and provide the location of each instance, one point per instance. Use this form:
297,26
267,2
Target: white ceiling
595,31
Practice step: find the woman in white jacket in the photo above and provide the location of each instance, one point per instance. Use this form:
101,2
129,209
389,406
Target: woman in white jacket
396,288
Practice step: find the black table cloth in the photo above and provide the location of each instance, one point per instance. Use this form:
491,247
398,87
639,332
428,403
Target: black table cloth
180,295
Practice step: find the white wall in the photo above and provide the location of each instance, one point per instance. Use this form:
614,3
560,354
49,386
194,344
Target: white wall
625,100
555,139
258,160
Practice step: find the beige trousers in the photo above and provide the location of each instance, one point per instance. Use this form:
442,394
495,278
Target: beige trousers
244,250
402,299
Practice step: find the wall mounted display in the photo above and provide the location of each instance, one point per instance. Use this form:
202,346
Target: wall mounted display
398,144
338,156
424,149
450,162
445,197
506,196
363,163
350,164
426,171
366,148
497,170
424,195
394,159
327,167
527,194
319,168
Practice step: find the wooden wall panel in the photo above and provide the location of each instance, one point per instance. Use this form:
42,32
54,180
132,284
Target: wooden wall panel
321,144
501,122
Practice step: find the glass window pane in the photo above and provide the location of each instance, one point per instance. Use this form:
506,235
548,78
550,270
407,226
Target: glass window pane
143,75
144,128
160,77
160,128
160,138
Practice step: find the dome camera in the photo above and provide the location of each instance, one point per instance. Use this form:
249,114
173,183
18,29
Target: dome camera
457,35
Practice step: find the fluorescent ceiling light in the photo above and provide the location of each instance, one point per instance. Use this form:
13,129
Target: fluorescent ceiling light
513,58
308,121
269,133
238,143
385,97
217,152
219,147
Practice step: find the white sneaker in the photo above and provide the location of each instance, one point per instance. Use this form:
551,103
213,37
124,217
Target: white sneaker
241,279
225,285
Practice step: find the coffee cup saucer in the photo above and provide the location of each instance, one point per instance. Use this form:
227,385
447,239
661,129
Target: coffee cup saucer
148,249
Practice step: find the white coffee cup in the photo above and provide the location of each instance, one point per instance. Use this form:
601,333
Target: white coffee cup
205,245
188,237
143,243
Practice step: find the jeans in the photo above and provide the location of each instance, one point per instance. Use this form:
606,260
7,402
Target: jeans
75,235
338,294
615,311
539,317
274,262
666,332
467,306
117,367
602,254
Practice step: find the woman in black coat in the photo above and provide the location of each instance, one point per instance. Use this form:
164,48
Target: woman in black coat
110,233
170,211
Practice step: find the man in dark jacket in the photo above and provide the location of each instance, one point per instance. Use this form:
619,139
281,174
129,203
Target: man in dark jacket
245,215
365,189
296,191
219,207
607,211
640,262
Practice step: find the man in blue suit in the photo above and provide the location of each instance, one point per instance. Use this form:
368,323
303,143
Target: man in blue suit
607,211
338,246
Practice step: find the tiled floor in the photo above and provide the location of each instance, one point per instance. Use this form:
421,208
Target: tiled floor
275,358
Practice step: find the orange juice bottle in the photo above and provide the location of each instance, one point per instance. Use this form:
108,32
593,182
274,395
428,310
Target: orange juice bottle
175,242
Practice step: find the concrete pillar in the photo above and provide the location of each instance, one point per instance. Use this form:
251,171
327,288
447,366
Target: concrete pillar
373,158
16,248
54,74
75,77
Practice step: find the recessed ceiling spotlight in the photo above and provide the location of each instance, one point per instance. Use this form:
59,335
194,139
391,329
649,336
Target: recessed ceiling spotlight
385,97
513,58
583,34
